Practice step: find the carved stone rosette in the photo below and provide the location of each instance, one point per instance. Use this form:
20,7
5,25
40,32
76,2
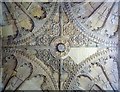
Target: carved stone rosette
59,46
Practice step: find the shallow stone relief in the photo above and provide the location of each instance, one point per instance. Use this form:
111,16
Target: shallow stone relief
59,46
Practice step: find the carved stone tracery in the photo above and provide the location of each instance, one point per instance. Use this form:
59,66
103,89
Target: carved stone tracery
45,44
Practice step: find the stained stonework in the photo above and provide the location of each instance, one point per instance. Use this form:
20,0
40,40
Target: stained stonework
59,46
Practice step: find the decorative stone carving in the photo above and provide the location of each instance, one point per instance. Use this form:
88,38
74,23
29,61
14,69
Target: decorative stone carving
60,46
